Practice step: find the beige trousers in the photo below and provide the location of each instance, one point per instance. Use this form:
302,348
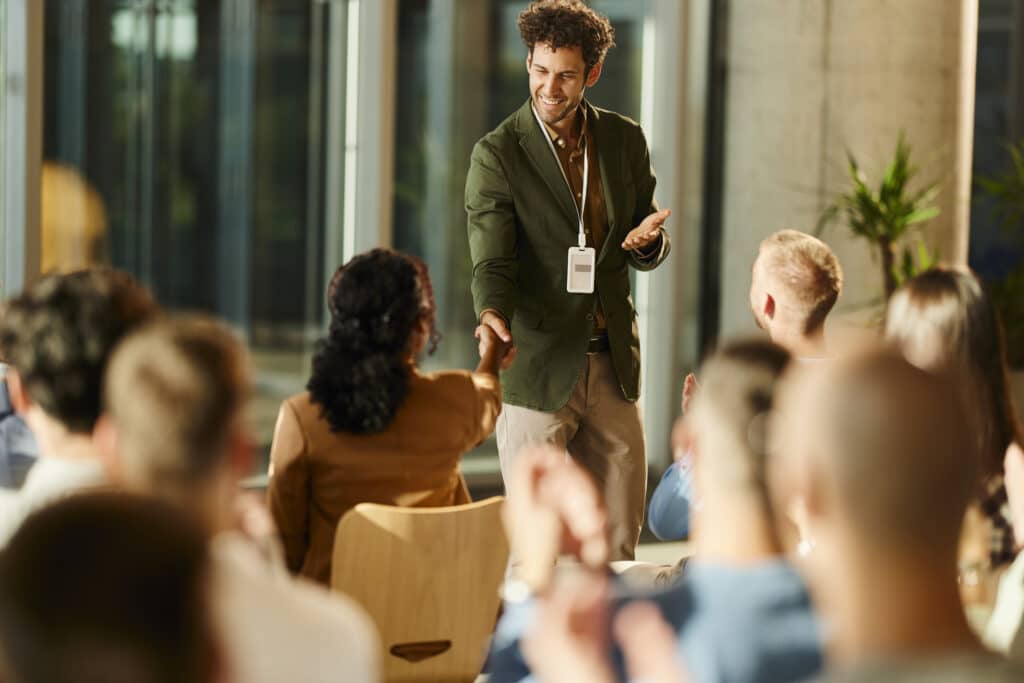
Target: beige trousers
602,431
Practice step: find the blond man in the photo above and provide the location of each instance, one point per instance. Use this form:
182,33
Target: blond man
795,281
175,397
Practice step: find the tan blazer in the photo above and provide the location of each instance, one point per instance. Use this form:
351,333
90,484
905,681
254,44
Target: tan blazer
317,475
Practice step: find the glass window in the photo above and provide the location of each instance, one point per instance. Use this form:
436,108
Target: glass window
461,71
998,120
3,133
184,142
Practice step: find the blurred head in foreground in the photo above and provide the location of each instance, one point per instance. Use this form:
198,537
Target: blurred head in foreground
944,322
880,453
175,397
58,336
130,607
727,430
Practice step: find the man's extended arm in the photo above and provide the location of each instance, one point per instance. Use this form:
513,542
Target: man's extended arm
491,225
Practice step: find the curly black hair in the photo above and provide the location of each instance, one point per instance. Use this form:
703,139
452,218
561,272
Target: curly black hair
59,335
361,369
567,23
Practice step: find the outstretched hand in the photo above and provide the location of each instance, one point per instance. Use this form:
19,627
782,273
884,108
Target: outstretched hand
494,348
494,337
647,232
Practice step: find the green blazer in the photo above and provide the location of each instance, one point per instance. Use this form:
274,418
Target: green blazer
522,221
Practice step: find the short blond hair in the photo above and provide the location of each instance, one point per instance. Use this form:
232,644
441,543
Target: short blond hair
174,391
807,270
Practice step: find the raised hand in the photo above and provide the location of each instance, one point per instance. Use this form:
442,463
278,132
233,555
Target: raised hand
568,638
649,645
644,234
553,507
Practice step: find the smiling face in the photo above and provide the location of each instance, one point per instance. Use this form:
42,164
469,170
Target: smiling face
558,79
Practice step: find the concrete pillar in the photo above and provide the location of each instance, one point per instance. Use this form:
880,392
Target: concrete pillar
809,79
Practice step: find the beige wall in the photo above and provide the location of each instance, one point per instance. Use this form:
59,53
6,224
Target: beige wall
808,79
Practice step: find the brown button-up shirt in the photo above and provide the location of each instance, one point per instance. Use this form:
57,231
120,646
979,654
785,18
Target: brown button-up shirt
595,213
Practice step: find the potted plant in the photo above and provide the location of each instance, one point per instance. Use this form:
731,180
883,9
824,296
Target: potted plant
889,216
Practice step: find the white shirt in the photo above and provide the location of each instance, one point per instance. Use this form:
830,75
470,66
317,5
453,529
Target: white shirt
277,629
49,480
1004,632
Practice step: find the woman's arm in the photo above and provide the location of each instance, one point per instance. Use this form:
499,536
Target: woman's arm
288,491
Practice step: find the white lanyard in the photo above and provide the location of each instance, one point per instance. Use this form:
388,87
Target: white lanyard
582,238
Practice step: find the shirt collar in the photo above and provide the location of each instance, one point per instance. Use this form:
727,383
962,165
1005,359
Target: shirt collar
559,141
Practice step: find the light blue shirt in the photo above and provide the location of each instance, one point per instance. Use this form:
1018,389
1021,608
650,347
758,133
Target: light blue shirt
18,449
668,514
751,624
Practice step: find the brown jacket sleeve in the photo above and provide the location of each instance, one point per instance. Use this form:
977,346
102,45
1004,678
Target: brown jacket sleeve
488,405
288,491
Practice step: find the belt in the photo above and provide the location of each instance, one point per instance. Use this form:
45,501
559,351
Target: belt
599,343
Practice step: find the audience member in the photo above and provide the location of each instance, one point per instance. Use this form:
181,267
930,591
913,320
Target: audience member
740,612
175,396
944,321
795,281
371,427
57,336
106,588
882,454
18,449
1004,631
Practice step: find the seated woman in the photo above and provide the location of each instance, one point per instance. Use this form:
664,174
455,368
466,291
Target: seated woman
371,427
943,320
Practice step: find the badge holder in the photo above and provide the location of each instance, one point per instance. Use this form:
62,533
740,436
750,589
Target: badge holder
580,270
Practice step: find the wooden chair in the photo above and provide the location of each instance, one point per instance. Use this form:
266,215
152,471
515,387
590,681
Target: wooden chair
429,578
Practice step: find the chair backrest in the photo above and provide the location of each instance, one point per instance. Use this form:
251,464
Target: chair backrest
429,578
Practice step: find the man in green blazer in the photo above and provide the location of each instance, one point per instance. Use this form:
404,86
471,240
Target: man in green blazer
557,175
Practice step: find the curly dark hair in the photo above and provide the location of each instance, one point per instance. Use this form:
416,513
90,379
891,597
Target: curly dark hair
59,335
361,369
567,23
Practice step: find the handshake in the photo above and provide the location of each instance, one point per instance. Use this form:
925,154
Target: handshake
496,348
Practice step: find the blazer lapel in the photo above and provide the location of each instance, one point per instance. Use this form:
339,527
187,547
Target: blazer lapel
532,140
608,160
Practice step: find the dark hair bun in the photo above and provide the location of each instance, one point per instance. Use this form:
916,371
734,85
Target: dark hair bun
361,370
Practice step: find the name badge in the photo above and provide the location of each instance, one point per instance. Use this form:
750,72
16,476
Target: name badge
580,271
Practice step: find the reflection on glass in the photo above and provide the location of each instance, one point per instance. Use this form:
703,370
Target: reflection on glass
183,142
461,71
3,132
998,119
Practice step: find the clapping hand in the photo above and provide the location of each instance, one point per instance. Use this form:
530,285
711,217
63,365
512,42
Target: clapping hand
569,637
552,508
